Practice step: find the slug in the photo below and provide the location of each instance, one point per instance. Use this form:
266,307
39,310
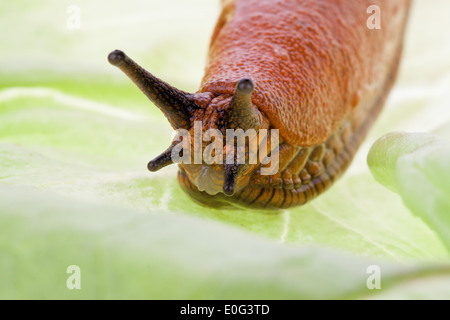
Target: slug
310,69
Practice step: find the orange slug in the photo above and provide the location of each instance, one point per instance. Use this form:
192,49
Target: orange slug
311,69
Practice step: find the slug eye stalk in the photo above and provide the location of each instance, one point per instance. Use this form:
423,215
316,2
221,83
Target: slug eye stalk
177,105
243,114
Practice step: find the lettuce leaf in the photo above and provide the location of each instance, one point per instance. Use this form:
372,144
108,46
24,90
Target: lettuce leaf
75,137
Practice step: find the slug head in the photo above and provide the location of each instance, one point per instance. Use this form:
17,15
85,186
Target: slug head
209,156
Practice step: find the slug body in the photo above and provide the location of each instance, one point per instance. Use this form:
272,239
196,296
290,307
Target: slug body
312,69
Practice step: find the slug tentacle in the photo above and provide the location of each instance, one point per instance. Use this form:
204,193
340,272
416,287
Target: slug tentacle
163,160
243,114
230,177
178,106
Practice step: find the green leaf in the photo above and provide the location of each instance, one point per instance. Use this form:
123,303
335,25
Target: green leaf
102,154
416,165
125,253
75,190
